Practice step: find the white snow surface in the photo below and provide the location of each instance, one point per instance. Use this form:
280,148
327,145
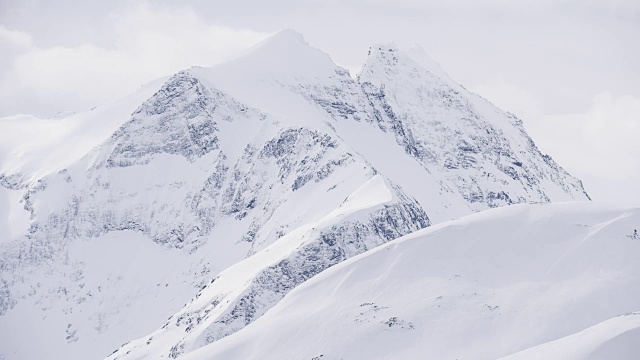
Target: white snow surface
175,217
616,338
555,281
34,147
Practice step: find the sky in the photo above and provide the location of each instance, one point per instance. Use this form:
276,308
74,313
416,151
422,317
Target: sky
570,69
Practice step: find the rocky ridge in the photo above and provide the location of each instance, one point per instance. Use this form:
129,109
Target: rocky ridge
223,165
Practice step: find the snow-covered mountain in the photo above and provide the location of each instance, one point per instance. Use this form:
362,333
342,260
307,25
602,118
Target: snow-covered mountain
184,212
553,281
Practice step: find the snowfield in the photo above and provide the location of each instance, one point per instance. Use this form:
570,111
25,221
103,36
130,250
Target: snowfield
556,281
184,218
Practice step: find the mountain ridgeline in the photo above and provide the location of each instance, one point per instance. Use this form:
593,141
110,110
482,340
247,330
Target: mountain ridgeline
230,186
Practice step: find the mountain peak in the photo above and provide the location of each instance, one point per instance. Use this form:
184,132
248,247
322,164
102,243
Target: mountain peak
420,55
383,60
287,36
283,44
390,59
387,51
246,180
284,54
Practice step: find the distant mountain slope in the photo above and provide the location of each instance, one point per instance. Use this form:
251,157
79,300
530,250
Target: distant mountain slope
483,153
372,215
205,170
481,287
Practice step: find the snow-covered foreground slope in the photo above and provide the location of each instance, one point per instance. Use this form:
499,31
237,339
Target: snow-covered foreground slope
557,281
616,338
184,212
244,291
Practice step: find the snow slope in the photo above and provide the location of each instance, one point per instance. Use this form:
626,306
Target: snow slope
207,173
200,203
244,291
31,148
523,282
616,338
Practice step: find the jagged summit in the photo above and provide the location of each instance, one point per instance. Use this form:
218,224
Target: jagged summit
388,61
416,56
420,55
277,153
271,75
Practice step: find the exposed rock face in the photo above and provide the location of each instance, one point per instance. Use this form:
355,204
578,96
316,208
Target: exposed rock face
528,281
274,173
218,311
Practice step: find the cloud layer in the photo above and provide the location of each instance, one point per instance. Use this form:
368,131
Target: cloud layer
147,43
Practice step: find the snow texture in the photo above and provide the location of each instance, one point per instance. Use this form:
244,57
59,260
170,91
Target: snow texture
177,216
553,281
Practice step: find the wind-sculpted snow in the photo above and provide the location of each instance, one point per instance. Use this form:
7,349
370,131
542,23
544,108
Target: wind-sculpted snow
214,170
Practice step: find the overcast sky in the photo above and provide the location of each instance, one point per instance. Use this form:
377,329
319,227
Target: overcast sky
569,69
